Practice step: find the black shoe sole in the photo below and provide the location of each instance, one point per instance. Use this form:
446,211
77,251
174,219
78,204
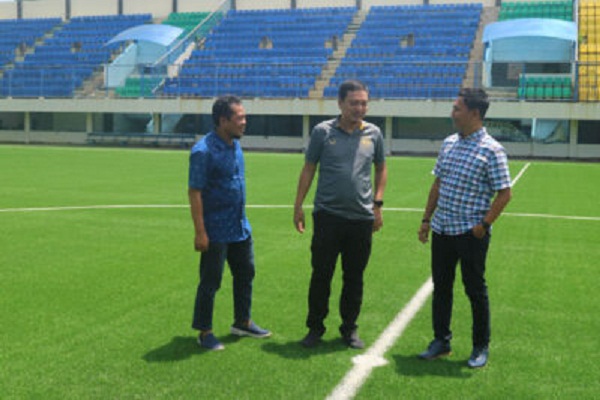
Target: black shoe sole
441,355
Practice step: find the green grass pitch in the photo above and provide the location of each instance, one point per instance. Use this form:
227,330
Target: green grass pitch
97,302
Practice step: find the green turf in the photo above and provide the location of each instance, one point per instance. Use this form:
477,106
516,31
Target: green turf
97,303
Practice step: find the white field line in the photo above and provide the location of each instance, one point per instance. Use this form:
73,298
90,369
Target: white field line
259,206
364,364
520,174
92,207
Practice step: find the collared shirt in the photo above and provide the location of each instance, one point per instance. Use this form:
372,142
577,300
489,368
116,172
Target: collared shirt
345,162
217,170
470,170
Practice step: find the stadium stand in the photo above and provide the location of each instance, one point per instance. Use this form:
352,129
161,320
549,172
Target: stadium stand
186,20
139,86
541,86
545,87
537,9
411,51
145,85
589,50
263,53
60,65
16,36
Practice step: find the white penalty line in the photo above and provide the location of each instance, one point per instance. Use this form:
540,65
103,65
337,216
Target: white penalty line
364,363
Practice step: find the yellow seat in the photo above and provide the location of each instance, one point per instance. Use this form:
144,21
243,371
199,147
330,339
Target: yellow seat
584,48
583,70
594,93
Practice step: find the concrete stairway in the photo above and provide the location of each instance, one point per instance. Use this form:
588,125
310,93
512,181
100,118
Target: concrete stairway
335,60
473,75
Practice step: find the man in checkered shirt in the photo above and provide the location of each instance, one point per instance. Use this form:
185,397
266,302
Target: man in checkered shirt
471,168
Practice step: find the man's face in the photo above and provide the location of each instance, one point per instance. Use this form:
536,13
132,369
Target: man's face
235,126
354,106
462,117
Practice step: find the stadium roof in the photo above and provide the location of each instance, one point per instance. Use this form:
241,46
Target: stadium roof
531,27
155,33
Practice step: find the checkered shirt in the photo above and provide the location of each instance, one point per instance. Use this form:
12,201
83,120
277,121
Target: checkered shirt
470,170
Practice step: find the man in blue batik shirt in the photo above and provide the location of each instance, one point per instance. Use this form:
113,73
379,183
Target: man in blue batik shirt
471,168
217,194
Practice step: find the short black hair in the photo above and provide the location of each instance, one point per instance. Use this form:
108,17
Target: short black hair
350,86
475,99
222,107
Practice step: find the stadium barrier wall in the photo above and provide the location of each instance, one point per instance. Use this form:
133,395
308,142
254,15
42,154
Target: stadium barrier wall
161,8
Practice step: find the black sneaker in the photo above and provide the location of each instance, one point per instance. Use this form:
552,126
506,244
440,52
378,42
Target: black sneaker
311,339
352,340
478,358
436,349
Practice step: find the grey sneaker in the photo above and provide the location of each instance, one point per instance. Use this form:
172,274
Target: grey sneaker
479,357
353,341
250,329
436,349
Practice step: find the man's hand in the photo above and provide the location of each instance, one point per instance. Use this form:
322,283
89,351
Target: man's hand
378,223
424,232
201,242
479,231
299,219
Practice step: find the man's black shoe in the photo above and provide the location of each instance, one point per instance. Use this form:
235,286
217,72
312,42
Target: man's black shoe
311,339
436,349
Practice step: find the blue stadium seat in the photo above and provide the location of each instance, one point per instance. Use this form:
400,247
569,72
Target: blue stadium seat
65,60
233,61
415,51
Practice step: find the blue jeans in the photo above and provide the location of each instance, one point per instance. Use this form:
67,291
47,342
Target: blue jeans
240,257
446,251
333,236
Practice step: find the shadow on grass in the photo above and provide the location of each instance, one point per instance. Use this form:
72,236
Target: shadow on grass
413,366
179,348
294,350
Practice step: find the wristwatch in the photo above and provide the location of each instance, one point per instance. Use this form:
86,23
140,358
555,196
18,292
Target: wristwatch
378,203
485,225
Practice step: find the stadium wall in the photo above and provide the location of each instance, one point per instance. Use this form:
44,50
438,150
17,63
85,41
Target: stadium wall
72,120
161,8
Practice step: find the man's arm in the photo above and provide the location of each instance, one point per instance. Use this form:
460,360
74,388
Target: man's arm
306,177
380,182
201,240
432,199
500,201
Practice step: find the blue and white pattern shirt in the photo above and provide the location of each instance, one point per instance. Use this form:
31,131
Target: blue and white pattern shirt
471,170
217,170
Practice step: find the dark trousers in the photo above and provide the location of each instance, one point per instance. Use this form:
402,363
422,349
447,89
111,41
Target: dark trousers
334,236
446,251
240,257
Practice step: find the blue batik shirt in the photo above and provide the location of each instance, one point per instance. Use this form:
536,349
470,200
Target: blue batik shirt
471,170
217,170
